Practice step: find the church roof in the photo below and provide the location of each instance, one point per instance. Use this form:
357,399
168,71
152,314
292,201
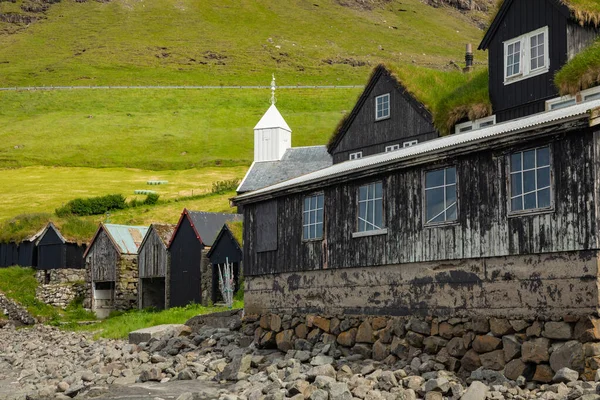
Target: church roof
272,119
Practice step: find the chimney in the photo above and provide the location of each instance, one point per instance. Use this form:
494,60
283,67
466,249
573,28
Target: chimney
469,59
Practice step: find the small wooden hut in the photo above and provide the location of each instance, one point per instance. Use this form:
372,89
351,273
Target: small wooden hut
227,248
9,254
57,252
111,262
28,252
153,260
190,275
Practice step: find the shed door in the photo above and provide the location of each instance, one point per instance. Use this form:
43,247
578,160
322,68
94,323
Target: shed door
186,255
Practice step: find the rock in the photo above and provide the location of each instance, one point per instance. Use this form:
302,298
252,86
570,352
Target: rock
535,350
87,376
158,331
364,333
476,391
186,375
239,364
319,394
433,396
437,385
565,375
347,338
471,361
493,360
419,326
480,325
285,340
151,374
74,390
587,329
486,343
298,387
362,349
519,325
511,346
414,339
62,386
591,349
445,330
543,373
321,370
339,391
301,331
322,323
399,347
500,327
558,330
379,323
157,358
534,330
380,351
568,355
433,344
515,368
413,382
321,360
456,347
275,323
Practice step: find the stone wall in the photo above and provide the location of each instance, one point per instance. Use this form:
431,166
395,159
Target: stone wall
533,348
526,286
126,293
206,278
14,311
64,286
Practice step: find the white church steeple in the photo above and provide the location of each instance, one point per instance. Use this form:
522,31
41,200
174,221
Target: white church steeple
272,135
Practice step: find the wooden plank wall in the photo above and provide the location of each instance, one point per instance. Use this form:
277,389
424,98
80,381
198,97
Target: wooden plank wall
483,228
103,259
153,257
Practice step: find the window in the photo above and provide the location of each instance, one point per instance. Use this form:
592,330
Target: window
312,217
356,156
568,100
477,124
382,106
410,143
530,179
440,196
393,147
370,207
526,56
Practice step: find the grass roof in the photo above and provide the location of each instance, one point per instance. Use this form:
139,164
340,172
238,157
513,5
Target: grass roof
237,230
450,96
582,72
587,12
74,229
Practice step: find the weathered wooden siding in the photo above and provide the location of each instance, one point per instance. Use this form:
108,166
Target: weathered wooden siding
527,96
103,259
579,38
483,228
225,249
406,122
153,257
184,275
51,251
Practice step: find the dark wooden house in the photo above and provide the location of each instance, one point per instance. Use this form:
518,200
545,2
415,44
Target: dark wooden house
28,251
112,266
528,42
9,254
153,261
385,118
227,248
190,278
56,251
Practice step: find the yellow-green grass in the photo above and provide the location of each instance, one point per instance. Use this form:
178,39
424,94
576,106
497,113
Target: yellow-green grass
581,73
43,189
231,42
119,325
155,129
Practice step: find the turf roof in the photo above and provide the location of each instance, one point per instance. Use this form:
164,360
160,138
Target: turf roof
582,72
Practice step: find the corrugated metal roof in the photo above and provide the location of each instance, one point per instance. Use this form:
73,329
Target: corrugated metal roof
272,119
128,238
447,142
296,161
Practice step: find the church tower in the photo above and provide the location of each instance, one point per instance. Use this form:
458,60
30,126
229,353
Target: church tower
272,135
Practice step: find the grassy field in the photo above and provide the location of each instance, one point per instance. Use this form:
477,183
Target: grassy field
234,42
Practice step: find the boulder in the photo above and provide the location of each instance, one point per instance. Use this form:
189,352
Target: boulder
433,344
543,373
486,343
275,322
565,375
414,339
480,325
587,329
500,327
322,323
493,360
380,351
419,326
570,355
301,331
557,330
445,330
158,331
511,346
476,391
535,350
347,338
364,334
535,330
519,325
515,368
470,361
285,340
456,347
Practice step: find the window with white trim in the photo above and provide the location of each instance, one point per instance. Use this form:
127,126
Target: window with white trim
370,207
356,156
526,55
568,100
440,196
530,186
312,217
477,124
410,143
392,147
382,106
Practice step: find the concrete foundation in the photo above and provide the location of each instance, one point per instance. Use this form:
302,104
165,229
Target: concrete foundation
526,286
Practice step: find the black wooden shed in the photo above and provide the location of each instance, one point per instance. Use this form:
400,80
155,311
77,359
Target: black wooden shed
227,248
194,232
55,251
9,254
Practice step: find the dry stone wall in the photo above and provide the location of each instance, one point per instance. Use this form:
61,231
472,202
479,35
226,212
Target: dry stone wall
532,348
126,293
59,287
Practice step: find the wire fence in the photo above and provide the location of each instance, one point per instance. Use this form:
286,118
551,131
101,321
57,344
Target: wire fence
34,88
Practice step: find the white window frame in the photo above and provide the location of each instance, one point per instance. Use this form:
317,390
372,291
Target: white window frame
590,92
474,125
392,147
315,210
537,209
386,116
525,56
579,98
410,143
355,156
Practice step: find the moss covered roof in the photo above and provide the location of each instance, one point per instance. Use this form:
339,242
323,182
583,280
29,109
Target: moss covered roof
237,230
587,12
450,96
582,72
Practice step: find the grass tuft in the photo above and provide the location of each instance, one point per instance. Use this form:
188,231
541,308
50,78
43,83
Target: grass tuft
22,226
582,72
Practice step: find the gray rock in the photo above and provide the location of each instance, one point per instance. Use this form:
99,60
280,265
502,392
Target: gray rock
319,394
565,375
476,391
321,360
558,330
151,374
535,350
339,391
437,385
568,355
186,375
456,347
326,370
419,326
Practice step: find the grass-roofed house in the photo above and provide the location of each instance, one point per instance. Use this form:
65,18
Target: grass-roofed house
190,275
153,261
112,268
56,251
226,248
